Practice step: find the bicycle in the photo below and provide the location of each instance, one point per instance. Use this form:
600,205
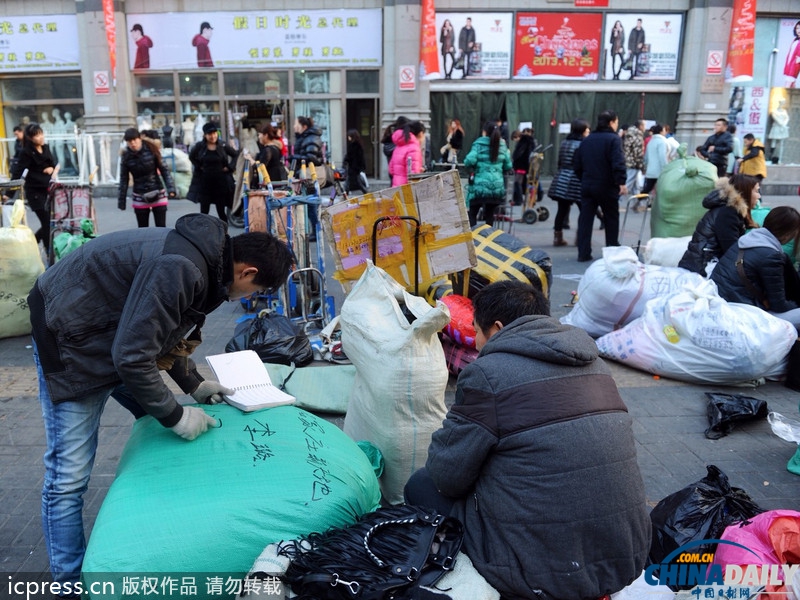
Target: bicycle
534,193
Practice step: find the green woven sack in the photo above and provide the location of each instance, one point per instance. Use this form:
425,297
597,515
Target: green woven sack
678,205
209,507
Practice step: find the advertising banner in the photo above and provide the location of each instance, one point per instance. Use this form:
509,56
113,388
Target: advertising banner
39,43
428,52
741,42
256,39
557,45
787,63
642,46
111,37
749,109
474,45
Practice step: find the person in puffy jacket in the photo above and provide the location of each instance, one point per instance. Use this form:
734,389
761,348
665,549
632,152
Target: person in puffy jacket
537,458
566,187
729,205
753,162
756,270
307,143
489,160
142,161
407,153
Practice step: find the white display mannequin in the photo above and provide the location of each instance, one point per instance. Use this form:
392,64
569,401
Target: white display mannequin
199,121
46,124
187,131
57,144
779,130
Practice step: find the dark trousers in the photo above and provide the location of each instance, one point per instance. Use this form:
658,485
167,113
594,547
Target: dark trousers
159,216
488,212
421,491
608,201
43,233
562,215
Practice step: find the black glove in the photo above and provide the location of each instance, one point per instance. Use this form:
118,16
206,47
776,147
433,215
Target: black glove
121,204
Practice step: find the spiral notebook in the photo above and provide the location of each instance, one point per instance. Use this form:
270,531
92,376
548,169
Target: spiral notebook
244,372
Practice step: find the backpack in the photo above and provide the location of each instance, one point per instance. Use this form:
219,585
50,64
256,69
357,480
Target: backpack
388,553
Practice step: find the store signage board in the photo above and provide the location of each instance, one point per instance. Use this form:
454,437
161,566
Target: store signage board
260,39
39,43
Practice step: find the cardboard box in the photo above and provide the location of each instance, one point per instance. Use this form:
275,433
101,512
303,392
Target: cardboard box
445,239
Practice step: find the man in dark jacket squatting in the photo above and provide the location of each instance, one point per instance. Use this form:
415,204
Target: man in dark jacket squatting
537,458
107,318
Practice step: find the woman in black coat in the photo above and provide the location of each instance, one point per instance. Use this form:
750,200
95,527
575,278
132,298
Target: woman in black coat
566,187
42,167
214,163
269,154
142,160
355,162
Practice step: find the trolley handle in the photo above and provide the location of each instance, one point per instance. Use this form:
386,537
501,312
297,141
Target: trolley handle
416,244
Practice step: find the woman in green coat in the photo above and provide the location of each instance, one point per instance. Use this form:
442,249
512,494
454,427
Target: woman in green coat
488,160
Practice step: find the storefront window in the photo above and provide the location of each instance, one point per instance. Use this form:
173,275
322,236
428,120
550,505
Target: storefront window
317,82
151,86
154,115
256,83
21,89
197,84
320,111
192,118
363,82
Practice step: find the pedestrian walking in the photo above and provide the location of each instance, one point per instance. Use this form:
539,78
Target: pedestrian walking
407,154
753,161
141,160
214,163
355,162
600,165
566,187
489,160
656,158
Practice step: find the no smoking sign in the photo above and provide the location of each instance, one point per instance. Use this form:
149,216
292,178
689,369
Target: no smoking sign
714,62
101,86
408,77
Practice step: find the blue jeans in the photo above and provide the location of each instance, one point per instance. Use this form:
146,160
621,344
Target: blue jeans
71,430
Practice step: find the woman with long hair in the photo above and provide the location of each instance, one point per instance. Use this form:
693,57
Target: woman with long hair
617,41
42,167
407,155
791,68
214,163
447,38
454,137
354,161
566,187
270,153
142,160
489,160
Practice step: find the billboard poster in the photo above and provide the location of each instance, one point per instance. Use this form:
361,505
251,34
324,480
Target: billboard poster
557,45
643,46
748,109
787,63
39,43
248,39
474,45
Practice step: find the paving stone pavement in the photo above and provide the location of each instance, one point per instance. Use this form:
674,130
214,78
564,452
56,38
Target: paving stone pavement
669,416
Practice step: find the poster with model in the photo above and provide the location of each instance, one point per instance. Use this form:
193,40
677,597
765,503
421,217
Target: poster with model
643,46
248,39
474,45
557,45
39,43
787,61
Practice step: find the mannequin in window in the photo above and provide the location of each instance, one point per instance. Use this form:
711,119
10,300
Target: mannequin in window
779,131
70,129
46,124
187,132
58,144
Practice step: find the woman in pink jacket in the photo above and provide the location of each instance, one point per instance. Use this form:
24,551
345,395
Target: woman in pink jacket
407,141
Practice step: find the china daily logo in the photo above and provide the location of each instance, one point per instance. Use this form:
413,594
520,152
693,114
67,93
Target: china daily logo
686,568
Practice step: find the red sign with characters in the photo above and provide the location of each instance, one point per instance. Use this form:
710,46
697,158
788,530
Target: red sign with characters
557,45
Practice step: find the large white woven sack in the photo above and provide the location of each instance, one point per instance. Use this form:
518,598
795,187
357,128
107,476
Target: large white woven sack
20,265
666,252
696,336
401,374
614,290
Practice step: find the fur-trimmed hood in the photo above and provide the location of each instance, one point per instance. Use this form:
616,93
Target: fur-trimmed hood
724,194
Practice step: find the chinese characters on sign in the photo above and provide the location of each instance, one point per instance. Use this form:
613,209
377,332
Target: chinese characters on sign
35,43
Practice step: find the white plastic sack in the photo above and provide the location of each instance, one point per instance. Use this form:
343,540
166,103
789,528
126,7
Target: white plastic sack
784,428
614,290
20,265
641,590
401,375
696,336
666,252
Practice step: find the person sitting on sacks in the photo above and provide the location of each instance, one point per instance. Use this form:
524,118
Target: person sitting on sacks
729,205
537,458
756,271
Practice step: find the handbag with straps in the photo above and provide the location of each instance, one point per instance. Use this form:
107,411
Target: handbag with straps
388,553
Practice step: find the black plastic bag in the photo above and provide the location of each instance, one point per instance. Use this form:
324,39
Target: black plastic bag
724,410
699,511
274,338
793,368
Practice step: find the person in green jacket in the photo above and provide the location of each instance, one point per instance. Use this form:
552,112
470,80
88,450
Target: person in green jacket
488,160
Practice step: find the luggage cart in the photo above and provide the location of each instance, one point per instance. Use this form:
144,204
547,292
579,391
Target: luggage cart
69,205
530,211
633,201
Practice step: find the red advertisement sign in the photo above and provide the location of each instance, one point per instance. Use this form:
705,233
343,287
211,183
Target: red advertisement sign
557,45
741,42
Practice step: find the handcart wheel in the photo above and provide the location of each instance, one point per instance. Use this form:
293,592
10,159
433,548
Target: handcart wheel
529,216
542,213
235,218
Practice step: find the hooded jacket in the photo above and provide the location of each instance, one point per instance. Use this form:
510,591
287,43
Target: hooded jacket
308,147
538,449
106,312
404,148
489,182
724,223
766,266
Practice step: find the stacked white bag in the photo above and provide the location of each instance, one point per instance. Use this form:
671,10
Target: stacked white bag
614,290
694,335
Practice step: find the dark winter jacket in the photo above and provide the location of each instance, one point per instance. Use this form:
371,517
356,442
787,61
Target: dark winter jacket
718,229
723,145
213,171
270,156
308,147
768,268
521,157
599,162
145,167
538,450
105,313
36,181
489,183
566,185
